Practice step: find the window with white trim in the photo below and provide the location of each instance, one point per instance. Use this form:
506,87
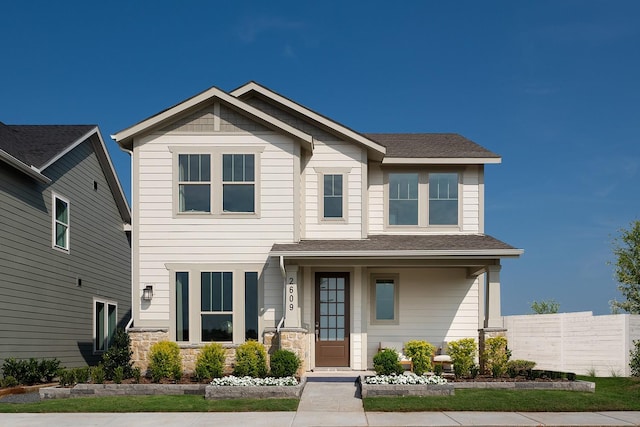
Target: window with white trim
443,198
105,318
61,223
216,311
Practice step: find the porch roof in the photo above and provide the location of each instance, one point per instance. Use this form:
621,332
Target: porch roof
401,246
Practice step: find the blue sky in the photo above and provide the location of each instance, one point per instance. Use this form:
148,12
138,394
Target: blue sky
552,86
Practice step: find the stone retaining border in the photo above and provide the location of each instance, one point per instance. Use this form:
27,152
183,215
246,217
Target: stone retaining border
206,390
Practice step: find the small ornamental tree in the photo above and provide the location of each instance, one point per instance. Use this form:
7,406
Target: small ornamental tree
421,354
495,356
634,359
463,354
118,355
626,248
550,306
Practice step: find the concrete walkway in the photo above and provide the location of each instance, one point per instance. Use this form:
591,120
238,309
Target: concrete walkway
328,399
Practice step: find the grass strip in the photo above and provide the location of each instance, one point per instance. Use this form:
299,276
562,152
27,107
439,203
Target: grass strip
612,394
165,403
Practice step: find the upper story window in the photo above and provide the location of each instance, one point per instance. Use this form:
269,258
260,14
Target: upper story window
332,205
238,183
421,199
216,182
194,182
60,223
403,199
443,198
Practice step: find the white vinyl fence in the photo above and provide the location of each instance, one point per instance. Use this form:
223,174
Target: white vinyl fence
574,342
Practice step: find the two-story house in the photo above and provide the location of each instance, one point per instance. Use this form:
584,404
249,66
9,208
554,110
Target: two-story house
258,218
65,256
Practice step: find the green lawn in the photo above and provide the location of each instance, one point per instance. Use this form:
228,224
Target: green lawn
182,403
612,394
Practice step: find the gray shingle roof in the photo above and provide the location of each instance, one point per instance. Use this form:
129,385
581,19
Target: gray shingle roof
35,145
401,243
430,145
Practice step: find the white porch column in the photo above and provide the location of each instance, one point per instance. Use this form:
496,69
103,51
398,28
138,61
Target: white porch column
291,308
492,314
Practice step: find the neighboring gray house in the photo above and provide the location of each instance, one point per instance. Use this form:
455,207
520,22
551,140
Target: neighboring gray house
65,256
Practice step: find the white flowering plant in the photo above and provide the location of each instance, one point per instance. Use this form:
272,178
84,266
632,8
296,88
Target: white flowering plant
412,379
247,381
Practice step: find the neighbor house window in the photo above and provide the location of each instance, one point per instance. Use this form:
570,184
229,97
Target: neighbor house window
251,305
238,183
403,199
104,324
443,198
216,296
60,223
384,291
194,182
333,195
182,306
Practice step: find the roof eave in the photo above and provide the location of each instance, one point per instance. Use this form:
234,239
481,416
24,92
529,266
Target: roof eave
31,171
125,137
377,151
441,160
405,254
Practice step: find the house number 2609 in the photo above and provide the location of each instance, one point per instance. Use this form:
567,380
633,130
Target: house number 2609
291,297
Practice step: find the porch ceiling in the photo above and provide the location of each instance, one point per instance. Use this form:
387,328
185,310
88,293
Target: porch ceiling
432,246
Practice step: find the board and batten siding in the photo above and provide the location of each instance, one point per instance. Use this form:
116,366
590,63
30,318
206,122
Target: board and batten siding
333,157
43,311
167,239
435,305
574,342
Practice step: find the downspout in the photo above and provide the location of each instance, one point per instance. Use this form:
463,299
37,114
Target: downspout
284,294
126,328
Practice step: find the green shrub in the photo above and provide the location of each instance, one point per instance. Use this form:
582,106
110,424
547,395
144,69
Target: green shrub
251,360
421,354
118,374
387,362
8,381
520,367
97,374
634,359
495,356
67,377
136,374
284,363
210,362
463,354
82,374
437,370
118,355
165,361
31,371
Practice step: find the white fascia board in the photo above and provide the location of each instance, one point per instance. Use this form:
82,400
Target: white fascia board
470,254
441,160
204,97
346,132
32,171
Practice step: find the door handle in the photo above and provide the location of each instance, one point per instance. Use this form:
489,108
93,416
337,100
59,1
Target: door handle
317,331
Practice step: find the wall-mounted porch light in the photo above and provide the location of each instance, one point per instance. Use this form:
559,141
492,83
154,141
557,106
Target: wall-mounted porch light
147,293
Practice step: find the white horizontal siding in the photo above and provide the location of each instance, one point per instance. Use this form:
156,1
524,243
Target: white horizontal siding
163,239
435,305
333,154
471,200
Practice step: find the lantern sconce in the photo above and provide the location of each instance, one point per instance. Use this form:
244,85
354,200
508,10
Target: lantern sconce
147,293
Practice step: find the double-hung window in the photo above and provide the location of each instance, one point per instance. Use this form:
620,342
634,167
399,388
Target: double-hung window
105,317
443,198
333,196
403,199
421,199
194,183
60,223
216,296
238,183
